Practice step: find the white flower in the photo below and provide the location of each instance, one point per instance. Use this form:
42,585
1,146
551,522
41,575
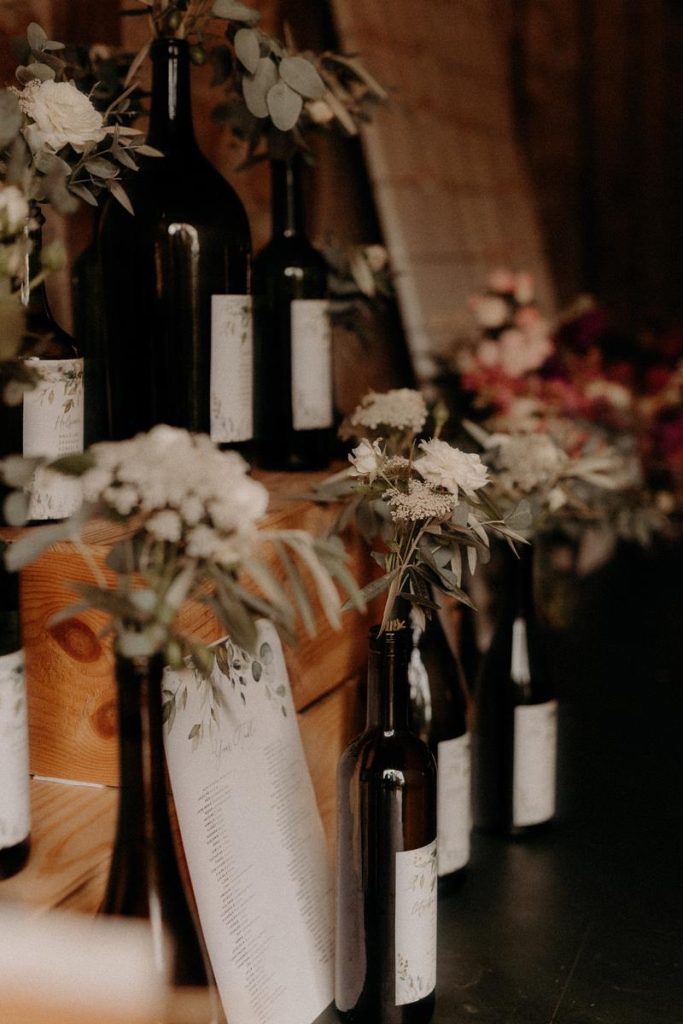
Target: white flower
366,459
94,482
206,543
165,525
520,352
608,391
531,461
524,288
501,280
377,258
421,501
489,310
319,111
123,499
399,409
61,116
448,467
13,210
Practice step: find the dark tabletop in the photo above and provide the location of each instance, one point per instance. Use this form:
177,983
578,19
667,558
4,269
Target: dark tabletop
584,924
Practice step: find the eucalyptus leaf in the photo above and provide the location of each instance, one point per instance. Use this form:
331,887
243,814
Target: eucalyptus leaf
248,49
301,75
10,117
37,37
233,10
101,168
120,195
52,45
73,465
284,106
37,70
256,87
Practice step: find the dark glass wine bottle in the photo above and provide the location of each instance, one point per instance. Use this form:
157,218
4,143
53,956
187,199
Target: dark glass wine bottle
89,331
386,854
144,877
439,716
515,734
294,390
49,419
176,279
15,821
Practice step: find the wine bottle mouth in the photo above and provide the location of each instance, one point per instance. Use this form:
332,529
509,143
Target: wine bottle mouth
389,640
169,46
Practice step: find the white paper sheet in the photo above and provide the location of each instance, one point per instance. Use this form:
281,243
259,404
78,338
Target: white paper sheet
252,835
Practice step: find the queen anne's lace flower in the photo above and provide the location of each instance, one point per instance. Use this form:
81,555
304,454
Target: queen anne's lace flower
420,502
399,409
448,467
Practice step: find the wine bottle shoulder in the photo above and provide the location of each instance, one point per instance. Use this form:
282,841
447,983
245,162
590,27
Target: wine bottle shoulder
282,252
375,753
166,189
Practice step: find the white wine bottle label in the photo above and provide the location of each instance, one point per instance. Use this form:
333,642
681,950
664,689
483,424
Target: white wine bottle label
415,924
311,334
232,369
15,823
454,819
534,766
53,426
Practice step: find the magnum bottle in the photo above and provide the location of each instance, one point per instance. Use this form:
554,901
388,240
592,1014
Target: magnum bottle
176,280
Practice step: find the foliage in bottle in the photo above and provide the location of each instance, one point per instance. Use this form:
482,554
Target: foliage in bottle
188,515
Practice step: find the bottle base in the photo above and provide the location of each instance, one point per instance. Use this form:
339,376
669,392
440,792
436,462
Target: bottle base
419,1012
14,858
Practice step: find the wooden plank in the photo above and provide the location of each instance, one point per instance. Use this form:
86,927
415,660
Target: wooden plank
327,727
71,839
70,668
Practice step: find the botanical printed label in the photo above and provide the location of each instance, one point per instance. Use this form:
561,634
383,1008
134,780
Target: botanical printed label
535,758
14,780
52,427
453,806
232,369
415,924
311,336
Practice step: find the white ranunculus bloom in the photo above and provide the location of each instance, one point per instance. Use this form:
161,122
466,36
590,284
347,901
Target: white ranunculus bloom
490,310
13,210
61,115
445,466
366,459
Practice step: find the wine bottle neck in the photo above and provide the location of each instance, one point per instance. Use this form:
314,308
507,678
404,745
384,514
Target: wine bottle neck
287,200
524,582
388,689
170,117
34,299
142,780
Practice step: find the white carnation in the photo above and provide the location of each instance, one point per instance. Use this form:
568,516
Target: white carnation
61,116
13,210
399,409
448,467
366,459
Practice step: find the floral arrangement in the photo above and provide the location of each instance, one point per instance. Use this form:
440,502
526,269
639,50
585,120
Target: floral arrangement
274,93
425,501
55,145
189,516
359,281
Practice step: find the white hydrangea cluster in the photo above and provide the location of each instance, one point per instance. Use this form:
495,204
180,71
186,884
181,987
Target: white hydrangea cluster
421,501
531,461
398,409
188,490
450,468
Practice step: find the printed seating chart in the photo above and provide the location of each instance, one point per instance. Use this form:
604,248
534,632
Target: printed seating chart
252,834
